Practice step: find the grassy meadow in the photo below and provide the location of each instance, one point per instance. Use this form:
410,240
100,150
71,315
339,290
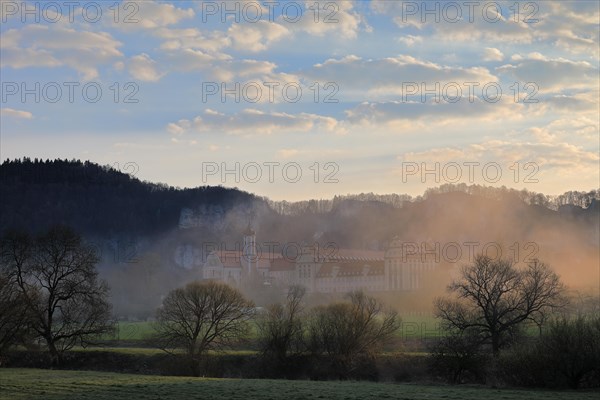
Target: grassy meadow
60,384
412,327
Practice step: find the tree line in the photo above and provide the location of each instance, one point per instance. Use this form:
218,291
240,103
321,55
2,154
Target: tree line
501,322
107,200
581,199
97,199
513,325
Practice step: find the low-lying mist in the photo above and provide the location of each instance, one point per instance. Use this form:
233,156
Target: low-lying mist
450,228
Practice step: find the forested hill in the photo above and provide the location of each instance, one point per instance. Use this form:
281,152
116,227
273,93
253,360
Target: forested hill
103,201
97,199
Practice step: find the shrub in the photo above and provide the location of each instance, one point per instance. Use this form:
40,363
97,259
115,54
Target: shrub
457,358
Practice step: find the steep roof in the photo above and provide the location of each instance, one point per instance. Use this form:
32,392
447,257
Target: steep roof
282,264
233,258
229,259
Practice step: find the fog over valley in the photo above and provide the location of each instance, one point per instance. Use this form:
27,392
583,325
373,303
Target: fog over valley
153,238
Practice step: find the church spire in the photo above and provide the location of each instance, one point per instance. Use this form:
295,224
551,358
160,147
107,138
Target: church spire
249,250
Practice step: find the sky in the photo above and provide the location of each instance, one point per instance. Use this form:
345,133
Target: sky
298,100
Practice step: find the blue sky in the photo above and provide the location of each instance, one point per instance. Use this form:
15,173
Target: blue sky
374,59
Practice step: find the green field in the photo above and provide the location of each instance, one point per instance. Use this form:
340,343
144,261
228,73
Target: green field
136,331
133,330
52,384
412,327
145,351
130,337
150,351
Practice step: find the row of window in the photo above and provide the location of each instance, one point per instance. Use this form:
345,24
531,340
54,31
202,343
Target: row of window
304,271
346,288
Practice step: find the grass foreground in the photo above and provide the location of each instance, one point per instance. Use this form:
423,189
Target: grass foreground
60,384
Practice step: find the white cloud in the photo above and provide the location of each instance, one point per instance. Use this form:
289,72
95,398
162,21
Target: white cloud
251,37
18,114
254,122
410,40
256,36
508,152
552,163
288,153
570,25
192,38
332,18
134,15
53,46
221,67
190,50
552,75
378,78
579,103
450,24
197,60
143,68
178,128
574,127
492,54
429,113
22,58
317,18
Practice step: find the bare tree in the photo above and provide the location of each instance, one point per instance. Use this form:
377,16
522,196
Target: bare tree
281,329
571,346
458,357
347,331
202,316
58,284
14,315
494,299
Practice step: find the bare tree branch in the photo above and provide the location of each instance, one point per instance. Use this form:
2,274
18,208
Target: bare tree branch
201,316
494,298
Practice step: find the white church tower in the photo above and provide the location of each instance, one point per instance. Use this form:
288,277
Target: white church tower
249,255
